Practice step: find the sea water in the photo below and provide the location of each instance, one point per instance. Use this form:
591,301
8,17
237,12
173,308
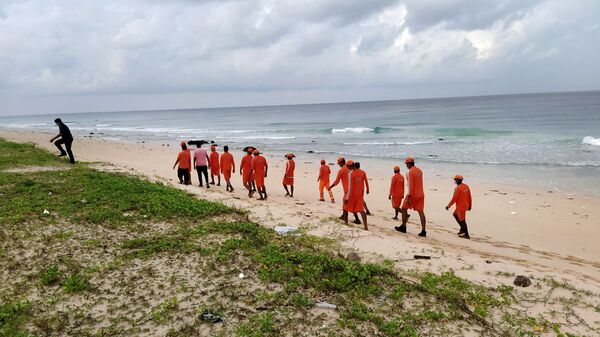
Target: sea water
547,140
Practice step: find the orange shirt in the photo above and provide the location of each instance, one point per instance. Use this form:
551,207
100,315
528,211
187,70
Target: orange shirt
397,186
214,160
343,177
290,166
324,172
415,182
259,165
462,198
246,165
357,180
185,159
227,162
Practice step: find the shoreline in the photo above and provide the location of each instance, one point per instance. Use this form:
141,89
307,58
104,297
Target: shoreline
533,241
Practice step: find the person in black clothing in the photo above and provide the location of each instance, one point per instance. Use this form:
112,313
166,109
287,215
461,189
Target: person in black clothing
66,138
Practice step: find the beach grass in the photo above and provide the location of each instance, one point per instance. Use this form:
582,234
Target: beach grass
92,253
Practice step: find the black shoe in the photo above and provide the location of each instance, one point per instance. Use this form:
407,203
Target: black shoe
357,222
423,233
401,229
62,154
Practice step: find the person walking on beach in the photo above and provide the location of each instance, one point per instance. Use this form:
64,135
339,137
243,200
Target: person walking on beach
415,198
288,176
260,169
323,180
396,191
215,169
354,198
184,160
66,138
246,172
201,164
342,176
357,165
227,166
463,201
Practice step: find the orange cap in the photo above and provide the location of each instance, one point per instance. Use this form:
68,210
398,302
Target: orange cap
340,159
396,168
409,160
349,163
458,177
256,151
322,161
183,143
290,155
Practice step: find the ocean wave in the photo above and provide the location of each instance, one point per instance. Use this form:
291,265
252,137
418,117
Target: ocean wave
389,143
25,126
589,140
353,130
257,137
472,132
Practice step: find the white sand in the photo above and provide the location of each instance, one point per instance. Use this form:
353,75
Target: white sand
513,229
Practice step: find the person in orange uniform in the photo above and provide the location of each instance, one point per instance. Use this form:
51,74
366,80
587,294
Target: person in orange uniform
324,173
354,198
246,172
463,201
227,166
342,176
288,176
415,198
396,191
260,168
184,159
356,221
215,169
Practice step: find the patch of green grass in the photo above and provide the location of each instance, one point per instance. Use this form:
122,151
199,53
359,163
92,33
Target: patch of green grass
162,313
51,275
301,300
146,247
17,154
258,325
12,318
82,195
75,283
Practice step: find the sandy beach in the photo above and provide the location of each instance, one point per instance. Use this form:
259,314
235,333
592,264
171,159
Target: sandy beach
514,230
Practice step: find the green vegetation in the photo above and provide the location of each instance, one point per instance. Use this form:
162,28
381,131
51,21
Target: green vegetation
121,244
51,275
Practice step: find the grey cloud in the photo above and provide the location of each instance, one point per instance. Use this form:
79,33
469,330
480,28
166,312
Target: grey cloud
68,48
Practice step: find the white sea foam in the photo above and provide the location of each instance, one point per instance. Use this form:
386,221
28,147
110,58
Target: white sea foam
257,137
389,143
353,130
589,140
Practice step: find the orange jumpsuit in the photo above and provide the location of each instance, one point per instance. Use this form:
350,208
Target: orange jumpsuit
227,164
357,180
415,198
324,173
462,199
259,167
288,178
214,163
343,177
246,169
397,190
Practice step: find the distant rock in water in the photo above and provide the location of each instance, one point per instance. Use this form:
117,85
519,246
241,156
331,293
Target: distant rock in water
310,151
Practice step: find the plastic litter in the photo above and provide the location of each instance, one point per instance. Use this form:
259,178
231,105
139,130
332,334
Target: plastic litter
325,305
284,230
210,317
46,212
513,213
241,275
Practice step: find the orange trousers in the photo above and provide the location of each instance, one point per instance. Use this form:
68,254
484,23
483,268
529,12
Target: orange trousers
325,185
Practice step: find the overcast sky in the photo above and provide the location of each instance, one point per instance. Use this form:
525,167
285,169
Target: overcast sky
60,56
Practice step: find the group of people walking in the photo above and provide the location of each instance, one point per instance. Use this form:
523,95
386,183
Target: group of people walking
254,169
355,184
